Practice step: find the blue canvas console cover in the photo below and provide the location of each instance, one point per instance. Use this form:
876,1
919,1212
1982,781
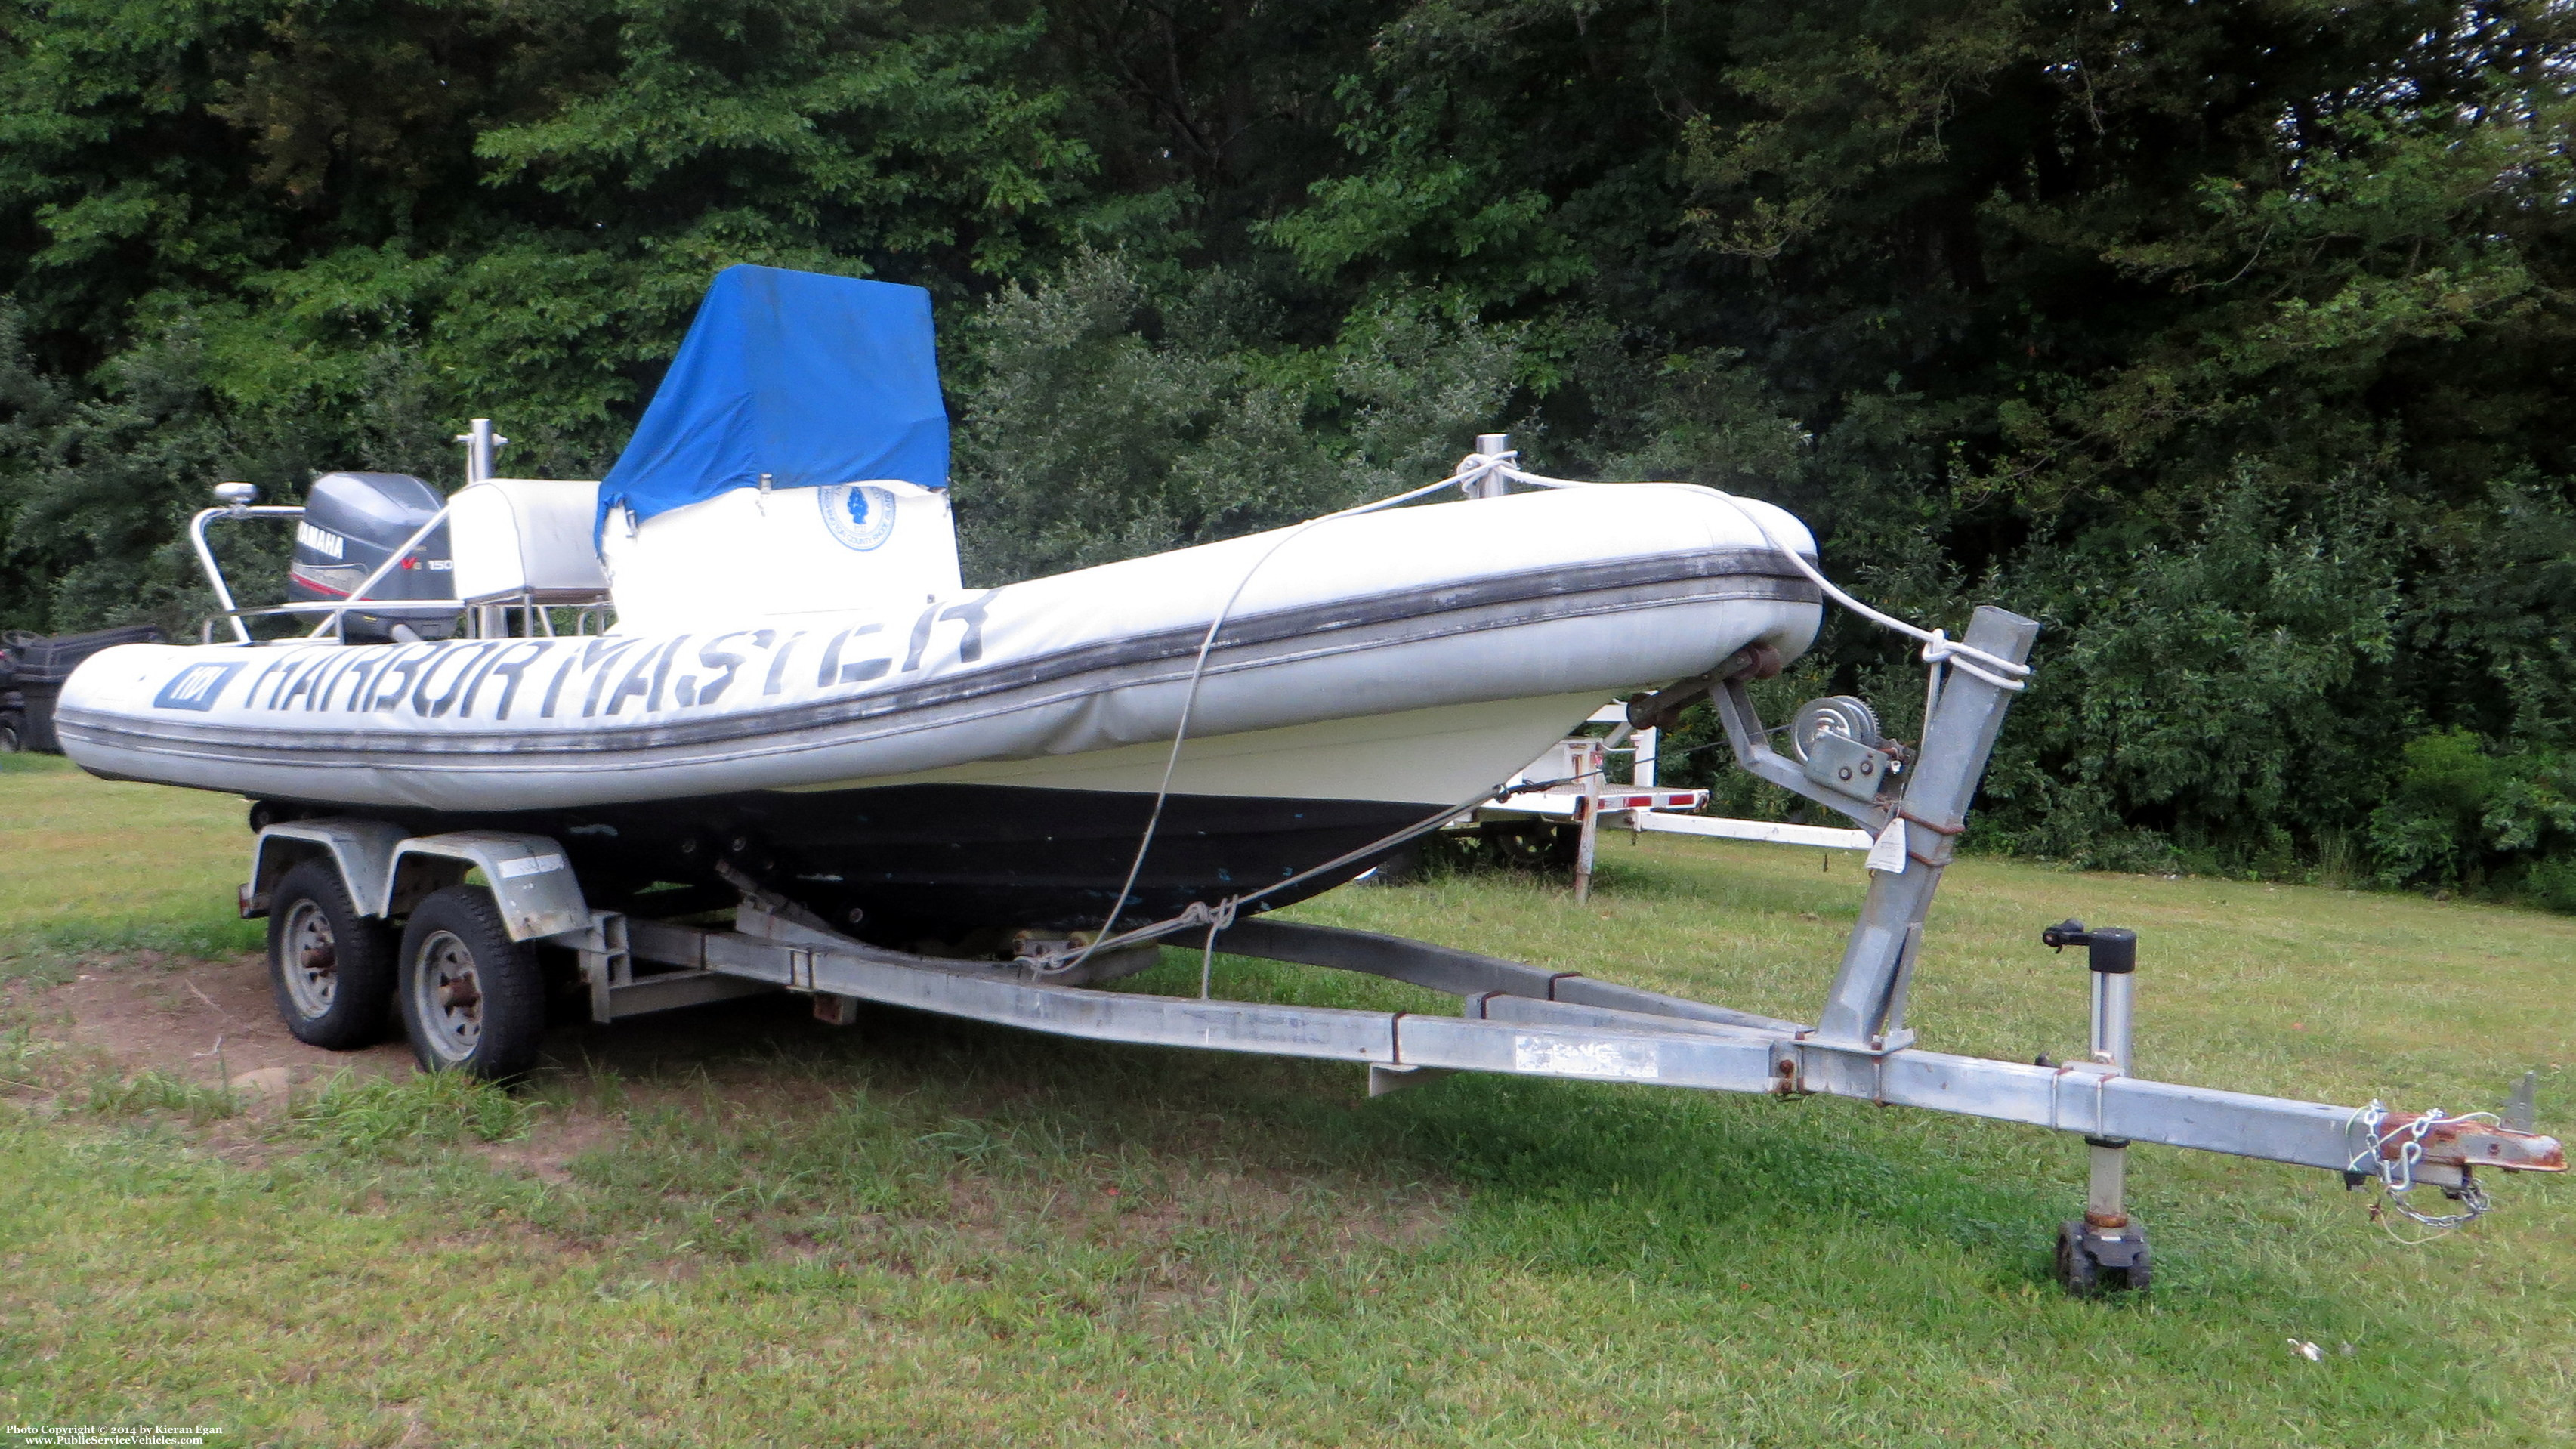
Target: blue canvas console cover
809,379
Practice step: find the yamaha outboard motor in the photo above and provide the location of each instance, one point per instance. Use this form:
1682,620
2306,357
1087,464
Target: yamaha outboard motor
352,523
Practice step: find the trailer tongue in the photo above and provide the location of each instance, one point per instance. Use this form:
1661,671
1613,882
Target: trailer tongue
1528,1021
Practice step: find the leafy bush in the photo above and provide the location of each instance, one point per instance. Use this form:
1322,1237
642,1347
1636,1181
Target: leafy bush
2461,815
2206,693
2552,883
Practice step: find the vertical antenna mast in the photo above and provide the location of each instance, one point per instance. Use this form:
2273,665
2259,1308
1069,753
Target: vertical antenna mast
482,445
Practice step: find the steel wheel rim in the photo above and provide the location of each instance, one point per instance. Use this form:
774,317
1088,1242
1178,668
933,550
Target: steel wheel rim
311,964
447,996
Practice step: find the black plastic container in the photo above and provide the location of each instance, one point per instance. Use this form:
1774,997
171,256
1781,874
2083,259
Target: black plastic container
37,669
13,705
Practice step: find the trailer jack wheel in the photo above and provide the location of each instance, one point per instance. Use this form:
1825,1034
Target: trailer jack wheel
2095,1261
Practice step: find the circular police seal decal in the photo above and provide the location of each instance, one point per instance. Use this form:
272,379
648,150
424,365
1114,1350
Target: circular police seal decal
859,516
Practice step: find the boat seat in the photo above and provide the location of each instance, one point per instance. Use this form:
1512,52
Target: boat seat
528,539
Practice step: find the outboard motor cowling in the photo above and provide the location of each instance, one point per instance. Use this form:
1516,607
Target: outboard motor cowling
352,523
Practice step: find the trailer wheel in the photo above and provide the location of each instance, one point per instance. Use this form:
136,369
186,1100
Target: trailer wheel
330,969
473,1000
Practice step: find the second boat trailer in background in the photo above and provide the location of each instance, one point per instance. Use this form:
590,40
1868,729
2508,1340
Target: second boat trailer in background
1568,793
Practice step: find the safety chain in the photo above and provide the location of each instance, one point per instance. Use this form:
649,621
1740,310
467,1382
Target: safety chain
2396,1173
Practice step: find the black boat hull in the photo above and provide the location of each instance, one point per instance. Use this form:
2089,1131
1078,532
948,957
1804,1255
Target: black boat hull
893,863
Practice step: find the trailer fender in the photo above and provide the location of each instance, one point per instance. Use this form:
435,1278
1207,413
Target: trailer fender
362,849
529,876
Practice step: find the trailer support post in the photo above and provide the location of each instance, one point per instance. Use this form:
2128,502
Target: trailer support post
1957,738
2107,1249
1587,829
2114,956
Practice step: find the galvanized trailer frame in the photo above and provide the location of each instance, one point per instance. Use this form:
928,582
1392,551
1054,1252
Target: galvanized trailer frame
1515,1018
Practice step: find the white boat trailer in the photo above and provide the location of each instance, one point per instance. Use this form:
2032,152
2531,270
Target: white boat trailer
1515,1018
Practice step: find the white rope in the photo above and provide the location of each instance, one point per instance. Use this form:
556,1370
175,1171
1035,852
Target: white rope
1190,699
1473,469
1938,647
1222,915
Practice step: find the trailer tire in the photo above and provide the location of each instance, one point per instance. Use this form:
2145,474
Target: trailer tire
330,969
473,1000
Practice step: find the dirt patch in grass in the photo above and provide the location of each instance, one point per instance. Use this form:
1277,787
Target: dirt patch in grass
554,1139
749,1131
196,1020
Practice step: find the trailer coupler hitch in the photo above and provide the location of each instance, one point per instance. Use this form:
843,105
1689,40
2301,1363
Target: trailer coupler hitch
2405,1149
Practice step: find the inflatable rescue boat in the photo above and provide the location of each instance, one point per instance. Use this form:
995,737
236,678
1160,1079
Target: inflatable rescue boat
796,688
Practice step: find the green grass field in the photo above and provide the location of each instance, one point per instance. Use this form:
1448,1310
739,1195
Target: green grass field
764,1231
